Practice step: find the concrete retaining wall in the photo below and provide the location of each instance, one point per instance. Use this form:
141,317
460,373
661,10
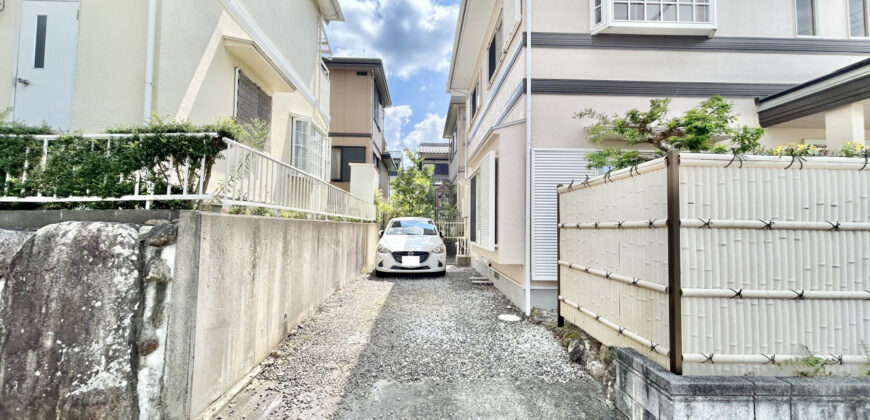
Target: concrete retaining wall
241,284
645,390
172,315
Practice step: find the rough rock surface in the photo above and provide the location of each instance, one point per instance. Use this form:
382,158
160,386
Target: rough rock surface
67,344
419,347
10,242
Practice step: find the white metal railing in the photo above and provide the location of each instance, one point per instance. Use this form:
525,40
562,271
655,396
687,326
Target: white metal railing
455,230
252,178
257,179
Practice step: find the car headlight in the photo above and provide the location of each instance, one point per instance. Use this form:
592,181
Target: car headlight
439,249
383,250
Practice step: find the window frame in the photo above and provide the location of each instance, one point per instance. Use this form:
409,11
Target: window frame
495,51
603,18
866,4
341,162
474,100
377,108
815,19
311,132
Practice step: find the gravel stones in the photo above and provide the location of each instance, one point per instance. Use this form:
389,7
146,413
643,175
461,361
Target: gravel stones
395,333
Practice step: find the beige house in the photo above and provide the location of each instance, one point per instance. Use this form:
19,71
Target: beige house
526,67
94,64
358,100
454,131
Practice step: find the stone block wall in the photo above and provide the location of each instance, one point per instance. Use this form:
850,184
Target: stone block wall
645,390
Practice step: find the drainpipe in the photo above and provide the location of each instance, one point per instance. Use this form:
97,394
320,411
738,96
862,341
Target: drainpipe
149,61
527,272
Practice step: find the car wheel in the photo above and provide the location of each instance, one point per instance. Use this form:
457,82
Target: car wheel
377,273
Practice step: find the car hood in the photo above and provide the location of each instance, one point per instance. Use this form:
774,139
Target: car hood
410,242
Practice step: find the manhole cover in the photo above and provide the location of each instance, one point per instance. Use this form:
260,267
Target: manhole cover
508,318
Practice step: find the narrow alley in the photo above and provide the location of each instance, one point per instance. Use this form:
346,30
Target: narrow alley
419,347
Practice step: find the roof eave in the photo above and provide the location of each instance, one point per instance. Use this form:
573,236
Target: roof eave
330,10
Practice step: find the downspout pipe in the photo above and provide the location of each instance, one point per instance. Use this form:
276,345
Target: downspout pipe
527,272
149,61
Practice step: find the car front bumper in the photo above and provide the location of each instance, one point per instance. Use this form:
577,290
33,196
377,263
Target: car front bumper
435,263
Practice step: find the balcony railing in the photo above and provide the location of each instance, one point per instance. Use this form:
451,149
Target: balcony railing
653,17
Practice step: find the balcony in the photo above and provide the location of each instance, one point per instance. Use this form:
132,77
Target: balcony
653,17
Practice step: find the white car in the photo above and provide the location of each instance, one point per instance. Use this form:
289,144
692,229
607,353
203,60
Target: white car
411,245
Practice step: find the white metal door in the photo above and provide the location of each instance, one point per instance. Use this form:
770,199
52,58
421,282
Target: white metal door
46,63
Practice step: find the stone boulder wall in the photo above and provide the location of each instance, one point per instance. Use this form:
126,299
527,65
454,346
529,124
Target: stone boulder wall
68,322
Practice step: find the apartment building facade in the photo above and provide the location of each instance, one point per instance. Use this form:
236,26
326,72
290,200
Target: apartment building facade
90,65
526,67
359,97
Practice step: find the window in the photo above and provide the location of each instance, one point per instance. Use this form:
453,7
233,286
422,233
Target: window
692,11
653,17
377,108
342,157
597,11
412,228
39,56
474,102
483,203
441,169
495,49
307,148
858,18
806,17
252,102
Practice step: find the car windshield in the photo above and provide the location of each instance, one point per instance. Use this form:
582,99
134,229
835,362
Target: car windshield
411,227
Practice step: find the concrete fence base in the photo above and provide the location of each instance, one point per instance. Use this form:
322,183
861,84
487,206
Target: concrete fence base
645,390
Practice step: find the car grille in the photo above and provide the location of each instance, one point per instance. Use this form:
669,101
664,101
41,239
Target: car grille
422,254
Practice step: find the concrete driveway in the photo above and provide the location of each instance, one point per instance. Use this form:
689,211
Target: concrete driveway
420,347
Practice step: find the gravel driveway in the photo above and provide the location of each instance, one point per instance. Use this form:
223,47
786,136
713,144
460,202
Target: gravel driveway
420,347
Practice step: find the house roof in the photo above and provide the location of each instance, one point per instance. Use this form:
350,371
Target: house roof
331,10
847,85
456,104
433,148
471,25
376,65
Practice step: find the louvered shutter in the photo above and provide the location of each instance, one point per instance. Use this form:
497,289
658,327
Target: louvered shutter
486,202
551,167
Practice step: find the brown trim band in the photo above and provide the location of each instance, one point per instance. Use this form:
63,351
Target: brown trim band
641,88
366,135
690,43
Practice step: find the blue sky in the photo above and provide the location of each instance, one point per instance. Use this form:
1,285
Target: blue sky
415,39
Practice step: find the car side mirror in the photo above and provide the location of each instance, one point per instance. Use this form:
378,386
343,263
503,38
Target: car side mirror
380,233
441,233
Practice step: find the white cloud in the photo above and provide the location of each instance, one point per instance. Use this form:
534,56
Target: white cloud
428,130
409,35
394,121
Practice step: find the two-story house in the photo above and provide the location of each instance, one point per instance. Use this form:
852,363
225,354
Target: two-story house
359,97
90,65
525,67
455,131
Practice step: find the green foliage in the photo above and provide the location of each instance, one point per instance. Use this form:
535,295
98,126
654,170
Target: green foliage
794,149
810,365
696,131
447,208
412,193
851,149
109,167
612,157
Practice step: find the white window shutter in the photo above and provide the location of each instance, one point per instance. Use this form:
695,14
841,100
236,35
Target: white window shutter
551,167
486,193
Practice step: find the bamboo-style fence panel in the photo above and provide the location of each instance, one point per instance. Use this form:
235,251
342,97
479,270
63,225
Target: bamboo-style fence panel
716,264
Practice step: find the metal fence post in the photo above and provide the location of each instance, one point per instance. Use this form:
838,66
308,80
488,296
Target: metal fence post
675,333
560,321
